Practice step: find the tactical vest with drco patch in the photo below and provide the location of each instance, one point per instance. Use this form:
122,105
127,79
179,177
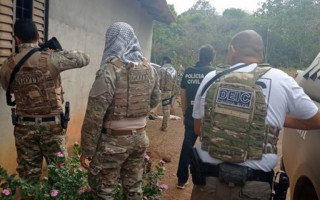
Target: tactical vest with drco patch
167,78
133,88
36,91
233,128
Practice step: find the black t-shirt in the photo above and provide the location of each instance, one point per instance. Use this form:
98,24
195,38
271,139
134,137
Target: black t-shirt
190,81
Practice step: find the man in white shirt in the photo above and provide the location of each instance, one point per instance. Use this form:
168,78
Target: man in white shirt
283,96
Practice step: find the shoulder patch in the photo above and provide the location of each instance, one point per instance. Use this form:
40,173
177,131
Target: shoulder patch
233,97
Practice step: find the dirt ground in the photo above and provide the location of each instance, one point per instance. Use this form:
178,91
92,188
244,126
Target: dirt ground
173,142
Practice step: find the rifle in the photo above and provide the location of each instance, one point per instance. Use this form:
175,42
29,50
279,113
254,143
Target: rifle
53,43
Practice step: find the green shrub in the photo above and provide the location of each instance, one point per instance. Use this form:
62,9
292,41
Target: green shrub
68,181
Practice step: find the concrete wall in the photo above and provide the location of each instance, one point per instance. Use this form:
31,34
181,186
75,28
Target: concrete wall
80,24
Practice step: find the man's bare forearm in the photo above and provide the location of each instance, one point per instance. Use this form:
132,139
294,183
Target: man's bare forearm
197,126
303,124
183,97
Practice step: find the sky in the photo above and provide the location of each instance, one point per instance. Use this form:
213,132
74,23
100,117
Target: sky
220,5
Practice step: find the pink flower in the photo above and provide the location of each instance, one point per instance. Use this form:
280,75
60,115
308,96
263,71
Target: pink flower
147,156
76,143
81,191
6,192
54,193
164,186
89,189
60,165
59,154
162,162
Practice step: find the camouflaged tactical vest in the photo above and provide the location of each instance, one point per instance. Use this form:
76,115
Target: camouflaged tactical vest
167,78
134,86
234,128
36,91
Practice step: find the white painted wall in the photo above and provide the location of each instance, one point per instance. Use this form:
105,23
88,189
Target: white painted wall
80,24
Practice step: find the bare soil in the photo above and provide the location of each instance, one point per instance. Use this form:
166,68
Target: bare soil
173,143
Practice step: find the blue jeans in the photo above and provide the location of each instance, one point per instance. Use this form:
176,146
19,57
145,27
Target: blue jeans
183,168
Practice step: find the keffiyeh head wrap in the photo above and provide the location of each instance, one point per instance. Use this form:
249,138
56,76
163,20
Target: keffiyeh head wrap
121,42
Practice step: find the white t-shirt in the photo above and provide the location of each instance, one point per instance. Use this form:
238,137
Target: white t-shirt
283,96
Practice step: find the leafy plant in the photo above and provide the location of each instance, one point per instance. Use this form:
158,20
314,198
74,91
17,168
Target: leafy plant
152,189
68,181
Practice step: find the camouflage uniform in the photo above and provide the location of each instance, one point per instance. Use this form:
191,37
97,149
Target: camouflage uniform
167,75
113,98
165,109
167,82
39,97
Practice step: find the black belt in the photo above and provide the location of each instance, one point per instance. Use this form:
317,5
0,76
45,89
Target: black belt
259,175
210,170
43,119
253,175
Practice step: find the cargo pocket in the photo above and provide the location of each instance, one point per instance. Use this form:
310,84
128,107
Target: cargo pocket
21,130
109,157
143,140
256,190
56,129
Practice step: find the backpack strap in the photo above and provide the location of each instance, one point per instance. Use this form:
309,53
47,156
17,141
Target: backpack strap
14,72
216,77
262,69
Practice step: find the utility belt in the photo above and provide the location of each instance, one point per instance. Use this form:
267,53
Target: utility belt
123,132
228,173
39,119
62,118
236,174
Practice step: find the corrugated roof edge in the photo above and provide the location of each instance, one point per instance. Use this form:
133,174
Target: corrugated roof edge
159,10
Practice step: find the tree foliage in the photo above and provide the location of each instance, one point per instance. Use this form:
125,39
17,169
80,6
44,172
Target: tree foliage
289,29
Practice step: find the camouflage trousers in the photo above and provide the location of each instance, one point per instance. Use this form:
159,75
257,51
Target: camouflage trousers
35,141
118,158
214,189
166,116
165,110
